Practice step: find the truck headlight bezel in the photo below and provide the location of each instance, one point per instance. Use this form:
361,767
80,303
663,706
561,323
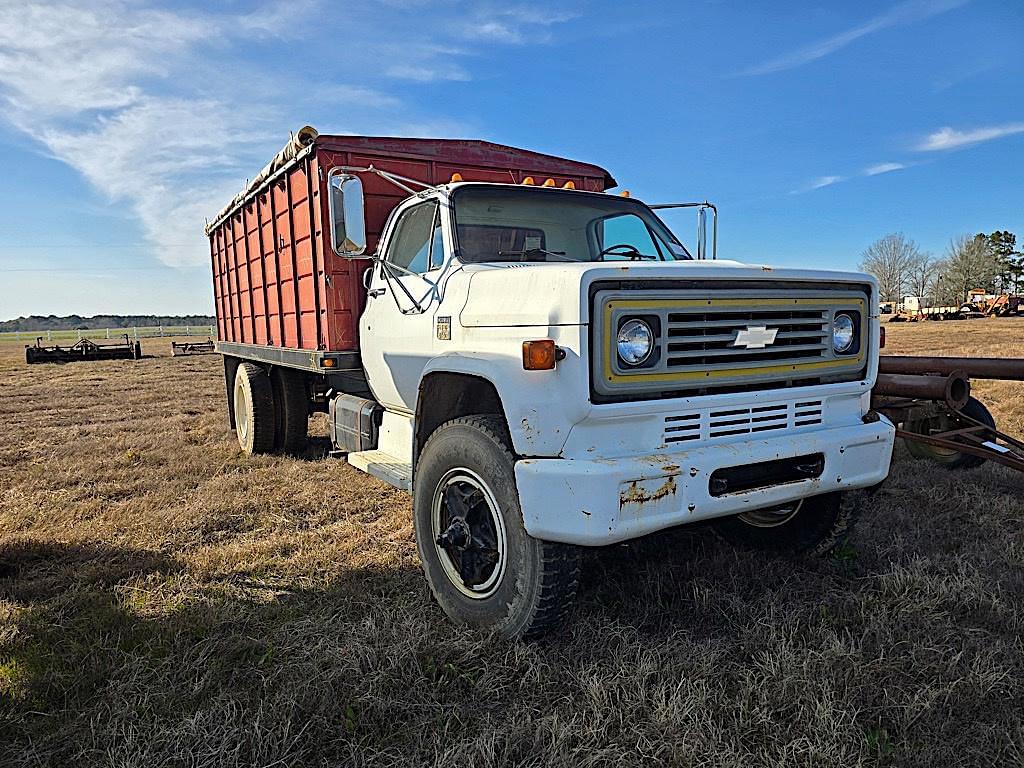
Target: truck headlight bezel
635,342
845,333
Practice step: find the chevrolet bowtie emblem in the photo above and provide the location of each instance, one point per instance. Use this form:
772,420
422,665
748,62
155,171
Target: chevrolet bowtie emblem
755,337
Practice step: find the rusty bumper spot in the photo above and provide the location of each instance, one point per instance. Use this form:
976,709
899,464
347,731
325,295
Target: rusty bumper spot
634,494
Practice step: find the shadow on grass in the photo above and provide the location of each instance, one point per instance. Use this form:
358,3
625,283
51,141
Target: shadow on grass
84,623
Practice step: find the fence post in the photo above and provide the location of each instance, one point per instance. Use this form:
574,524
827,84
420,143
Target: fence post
79,334
186,331
135,333
17,336
108,333
160,330
49,335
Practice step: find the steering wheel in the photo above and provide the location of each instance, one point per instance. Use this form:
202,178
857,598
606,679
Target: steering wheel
623,249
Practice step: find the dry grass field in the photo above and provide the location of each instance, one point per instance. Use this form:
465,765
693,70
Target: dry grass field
166,601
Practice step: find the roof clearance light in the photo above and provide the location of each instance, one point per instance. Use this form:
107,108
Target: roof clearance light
549,183
455,177
569,185
528,181
624,193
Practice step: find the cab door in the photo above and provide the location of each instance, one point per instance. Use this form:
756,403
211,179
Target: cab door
397,326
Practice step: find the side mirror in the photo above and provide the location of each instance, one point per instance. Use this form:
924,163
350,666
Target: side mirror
348,220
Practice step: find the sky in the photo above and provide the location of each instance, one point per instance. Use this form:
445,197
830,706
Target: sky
815,127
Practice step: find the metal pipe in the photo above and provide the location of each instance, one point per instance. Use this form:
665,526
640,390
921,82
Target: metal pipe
1006,368
954,389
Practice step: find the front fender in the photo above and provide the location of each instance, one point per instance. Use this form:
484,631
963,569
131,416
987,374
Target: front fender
538,405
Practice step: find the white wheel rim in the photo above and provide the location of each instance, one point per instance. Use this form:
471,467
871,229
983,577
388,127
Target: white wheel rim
772,517
241,413
487,524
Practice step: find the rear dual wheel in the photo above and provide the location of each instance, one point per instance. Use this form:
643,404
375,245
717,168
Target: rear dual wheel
271,412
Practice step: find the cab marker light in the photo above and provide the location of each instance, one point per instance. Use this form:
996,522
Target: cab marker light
549,183
528,181
569,185
624,193
455,177
541,355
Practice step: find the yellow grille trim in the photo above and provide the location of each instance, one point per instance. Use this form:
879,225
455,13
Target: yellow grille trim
613,377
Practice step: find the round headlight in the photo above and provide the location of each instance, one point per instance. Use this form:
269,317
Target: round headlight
844,333
635,342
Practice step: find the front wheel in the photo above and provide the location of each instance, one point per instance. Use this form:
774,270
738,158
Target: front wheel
812,526
482,566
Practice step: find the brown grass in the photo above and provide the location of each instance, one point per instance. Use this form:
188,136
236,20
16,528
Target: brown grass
166,601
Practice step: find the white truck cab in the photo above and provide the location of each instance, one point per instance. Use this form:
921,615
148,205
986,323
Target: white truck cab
551,368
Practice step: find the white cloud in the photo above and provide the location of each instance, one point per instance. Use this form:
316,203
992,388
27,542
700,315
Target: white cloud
825,181
875,170
818,183
514,25
950,138
162,112
427,72
901,14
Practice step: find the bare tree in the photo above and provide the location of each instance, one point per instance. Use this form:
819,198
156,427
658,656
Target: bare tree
891,260
921,278
970,263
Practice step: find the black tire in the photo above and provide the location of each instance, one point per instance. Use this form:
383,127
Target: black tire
292,410
813,526
535,586
254,409
975,409
30,355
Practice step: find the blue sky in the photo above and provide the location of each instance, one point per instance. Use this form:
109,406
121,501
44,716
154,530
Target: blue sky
816,127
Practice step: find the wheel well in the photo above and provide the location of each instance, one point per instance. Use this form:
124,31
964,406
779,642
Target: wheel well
446,396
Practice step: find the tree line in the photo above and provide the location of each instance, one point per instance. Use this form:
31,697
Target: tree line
79,323
990,262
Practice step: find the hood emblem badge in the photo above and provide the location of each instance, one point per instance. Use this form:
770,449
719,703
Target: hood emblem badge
755,337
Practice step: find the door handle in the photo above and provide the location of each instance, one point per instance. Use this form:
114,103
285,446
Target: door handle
375,292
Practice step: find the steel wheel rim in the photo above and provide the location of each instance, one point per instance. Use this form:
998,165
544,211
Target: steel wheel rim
936,424
772,517
241,413
488,533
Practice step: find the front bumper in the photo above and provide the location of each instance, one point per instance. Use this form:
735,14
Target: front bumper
601,501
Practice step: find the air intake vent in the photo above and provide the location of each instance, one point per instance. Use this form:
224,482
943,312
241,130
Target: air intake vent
752,420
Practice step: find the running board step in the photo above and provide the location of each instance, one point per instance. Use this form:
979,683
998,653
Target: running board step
383,466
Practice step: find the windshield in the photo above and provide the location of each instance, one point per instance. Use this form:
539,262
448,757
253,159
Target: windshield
523,224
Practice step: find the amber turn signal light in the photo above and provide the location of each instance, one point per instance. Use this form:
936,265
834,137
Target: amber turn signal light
328,362
541,355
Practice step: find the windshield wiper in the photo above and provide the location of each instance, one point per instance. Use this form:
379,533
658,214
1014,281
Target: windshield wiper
528,252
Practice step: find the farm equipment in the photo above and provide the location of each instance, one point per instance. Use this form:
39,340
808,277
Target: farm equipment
192,348
929,398
83,349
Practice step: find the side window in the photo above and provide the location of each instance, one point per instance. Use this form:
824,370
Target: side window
437,241
410,246
627,229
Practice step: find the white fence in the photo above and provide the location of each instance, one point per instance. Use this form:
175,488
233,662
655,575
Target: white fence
140,332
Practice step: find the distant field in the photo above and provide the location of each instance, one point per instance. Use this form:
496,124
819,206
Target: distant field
166,601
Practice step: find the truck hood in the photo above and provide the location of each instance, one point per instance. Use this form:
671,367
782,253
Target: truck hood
546,294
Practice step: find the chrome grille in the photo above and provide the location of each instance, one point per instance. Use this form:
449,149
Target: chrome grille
727,422
709,338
